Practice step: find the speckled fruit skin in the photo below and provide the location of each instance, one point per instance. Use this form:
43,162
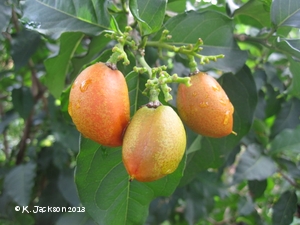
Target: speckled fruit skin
154,143
204,107
99,104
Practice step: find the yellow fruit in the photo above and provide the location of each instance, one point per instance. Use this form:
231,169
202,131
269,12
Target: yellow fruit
99,104
154,143
204,107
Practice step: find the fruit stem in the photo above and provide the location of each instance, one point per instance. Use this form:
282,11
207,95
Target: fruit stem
118,54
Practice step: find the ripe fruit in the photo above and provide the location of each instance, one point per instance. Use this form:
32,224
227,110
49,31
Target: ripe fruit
99,104
154,143
205,107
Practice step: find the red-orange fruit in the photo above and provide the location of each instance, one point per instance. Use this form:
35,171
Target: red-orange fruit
204,107
154,143
99,104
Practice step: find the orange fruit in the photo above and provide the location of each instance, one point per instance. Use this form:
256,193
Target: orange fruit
204,107
99,104
154,143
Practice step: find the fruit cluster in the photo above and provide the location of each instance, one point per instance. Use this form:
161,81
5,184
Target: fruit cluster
154,141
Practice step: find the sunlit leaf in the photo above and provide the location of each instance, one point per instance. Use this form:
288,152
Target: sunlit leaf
52,18
57,66
149,13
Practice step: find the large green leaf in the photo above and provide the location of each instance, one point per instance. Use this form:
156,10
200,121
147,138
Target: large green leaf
149,13
284,208
286,13
55,17
105,191
212,152
57,66
254,13
216,31
286,141
253,165
19,182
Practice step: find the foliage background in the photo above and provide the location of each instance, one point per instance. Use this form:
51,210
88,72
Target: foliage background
252,178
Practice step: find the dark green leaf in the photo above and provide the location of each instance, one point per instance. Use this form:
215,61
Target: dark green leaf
286,141
76,218
105,191
290,167
7,119
254,13
52,18
261,131
253,165
216,31
149,13
23,46
257,188
294,89
288,116
50,198
286,13
18,183
5,14
23,101
67,187
284,209
58,66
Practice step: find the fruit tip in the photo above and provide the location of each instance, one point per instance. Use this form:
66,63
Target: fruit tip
235,133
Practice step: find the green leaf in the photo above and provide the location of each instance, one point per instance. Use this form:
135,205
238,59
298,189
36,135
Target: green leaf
136,85
23,101
52,18
95,48
19,181
216,31
105,191
284,209
253,13
24,46
78,218
257,188
5,15
285,13
294,88
289,47
253,165
67,187
9,116
287,117
57,66
262,131
286,141
212,152
149,13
